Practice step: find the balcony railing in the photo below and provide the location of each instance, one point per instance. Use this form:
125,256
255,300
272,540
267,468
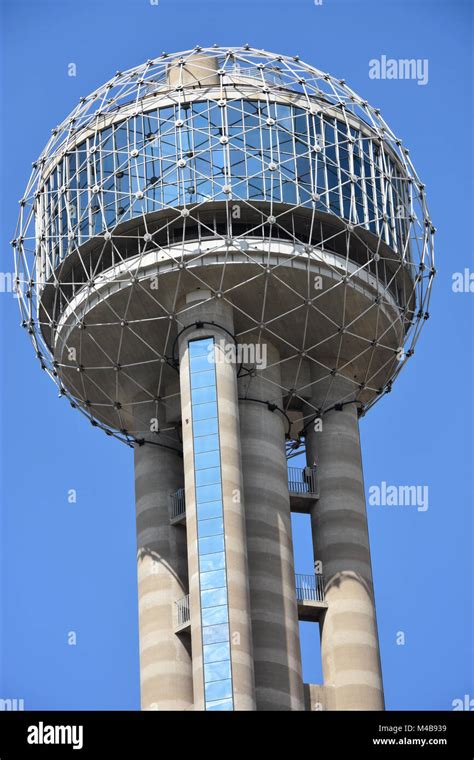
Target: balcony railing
309,588
302,480
178,505
183,615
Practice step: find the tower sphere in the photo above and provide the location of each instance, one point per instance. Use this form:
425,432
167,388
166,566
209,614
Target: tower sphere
251,177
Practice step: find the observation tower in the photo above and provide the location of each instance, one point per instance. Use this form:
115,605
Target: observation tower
225,256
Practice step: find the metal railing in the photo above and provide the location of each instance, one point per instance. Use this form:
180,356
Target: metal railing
183,614
309,588
302,480
178,504
269,74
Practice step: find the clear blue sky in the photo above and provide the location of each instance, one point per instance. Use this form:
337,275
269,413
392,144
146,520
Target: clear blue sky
71,567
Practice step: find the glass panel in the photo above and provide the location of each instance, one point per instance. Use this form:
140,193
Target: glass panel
214,616
213,634
211,527
222,704
203,395
217,671
208,493
216,652
214,579
211,545
204,411
200,347
207,459
214,597
243,164
202,379
210,476
203,363
205,427
218,690
209,509
212,562
206,443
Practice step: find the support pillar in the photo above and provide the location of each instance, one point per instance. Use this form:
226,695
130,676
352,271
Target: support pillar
165,657
217,552
349,638
276,643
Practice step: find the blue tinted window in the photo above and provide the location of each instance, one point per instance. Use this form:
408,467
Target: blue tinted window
211,527
215,616
211,562
216,652
208,493
214,634
211,545
213,579
203,395
206,443
214,597
204,411
218,690
217,671
253,144
203,379
202,363
205,427
207,477
211,536
207,459
221,704
209,509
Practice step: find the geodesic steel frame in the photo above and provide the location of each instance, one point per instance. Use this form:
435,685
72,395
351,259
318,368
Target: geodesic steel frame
369,183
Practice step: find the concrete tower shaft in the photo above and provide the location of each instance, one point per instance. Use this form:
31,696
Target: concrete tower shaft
277,657
165,656
349,639
221,631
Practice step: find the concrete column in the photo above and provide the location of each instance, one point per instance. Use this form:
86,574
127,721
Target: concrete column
219,313
198,69
165,657
276,644
349,638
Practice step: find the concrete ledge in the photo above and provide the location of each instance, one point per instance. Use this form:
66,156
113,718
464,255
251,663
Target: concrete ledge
179,520
184,628
311,611
302,502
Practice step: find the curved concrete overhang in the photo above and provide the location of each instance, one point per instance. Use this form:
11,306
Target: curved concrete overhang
324,263
401,266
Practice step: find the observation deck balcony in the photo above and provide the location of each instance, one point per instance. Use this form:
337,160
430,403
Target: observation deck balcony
303,487
310,596
183,615
178,508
